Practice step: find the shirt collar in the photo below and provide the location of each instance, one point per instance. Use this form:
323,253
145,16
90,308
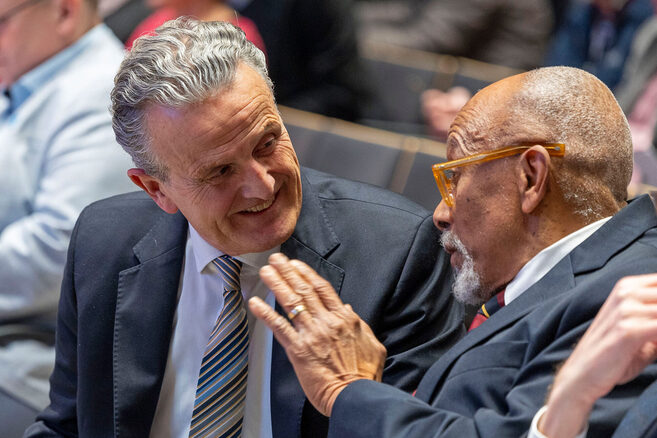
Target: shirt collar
545,260
204,253
34,79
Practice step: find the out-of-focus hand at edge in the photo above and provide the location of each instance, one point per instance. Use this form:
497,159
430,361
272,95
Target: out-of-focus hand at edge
619,344
440,108
328,345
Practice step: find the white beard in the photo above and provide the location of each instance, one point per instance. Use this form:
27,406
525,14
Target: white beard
467,284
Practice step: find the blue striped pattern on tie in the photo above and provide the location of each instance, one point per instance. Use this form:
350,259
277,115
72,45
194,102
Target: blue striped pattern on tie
221,389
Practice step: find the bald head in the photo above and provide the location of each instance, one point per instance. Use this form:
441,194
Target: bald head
557,104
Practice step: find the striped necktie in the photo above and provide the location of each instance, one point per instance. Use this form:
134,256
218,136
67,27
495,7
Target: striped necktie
221,389
486,310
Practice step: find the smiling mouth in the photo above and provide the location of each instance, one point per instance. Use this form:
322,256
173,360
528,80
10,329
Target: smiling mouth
260,207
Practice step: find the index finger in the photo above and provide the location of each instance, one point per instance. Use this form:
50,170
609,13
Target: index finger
297,282
285,295
280,327
324,290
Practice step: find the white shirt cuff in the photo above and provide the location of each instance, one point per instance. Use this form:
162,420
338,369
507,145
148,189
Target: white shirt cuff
535,433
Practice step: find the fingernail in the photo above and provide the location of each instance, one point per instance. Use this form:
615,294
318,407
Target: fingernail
277,258
267,270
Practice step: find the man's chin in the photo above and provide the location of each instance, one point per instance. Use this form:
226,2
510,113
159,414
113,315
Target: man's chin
467,298
467,286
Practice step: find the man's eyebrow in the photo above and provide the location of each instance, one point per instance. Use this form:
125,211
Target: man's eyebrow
272,125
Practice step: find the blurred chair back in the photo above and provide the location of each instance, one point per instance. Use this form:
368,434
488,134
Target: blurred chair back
386,159
397,77
475,75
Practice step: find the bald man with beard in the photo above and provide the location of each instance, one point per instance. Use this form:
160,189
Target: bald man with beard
535,219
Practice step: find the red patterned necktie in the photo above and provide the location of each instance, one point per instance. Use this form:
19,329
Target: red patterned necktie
486,310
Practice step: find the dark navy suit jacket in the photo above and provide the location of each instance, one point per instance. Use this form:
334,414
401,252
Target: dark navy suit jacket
493,381
119,295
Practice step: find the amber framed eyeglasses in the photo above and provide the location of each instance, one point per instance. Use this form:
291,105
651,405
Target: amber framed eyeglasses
444,172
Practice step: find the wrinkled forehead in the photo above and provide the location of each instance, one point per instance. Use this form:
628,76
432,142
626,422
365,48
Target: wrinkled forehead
490,120
478,127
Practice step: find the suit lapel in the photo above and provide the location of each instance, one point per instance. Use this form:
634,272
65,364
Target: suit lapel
312,241
146,303
557,281
615,235
619,232
640,421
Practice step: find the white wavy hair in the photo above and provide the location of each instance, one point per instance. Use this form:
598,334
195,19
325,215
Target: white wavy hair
183,62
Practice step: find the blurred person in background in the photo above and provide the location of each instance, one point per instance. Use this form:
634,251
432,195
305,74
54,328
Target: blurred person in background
440,108
57,154
107,7
204,10
503,32
637,95
312,55
596,35
122,16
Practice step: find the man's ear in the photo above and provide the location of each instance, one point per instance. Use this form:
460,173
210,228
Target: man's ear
153,187
535,176
68,16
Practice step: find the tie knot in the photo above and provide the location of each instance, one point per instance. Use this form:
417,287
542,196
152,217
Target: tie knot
229,268
487,310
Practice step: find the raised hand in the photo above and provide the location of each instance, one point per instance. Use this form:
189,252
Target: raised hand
619,344
328,345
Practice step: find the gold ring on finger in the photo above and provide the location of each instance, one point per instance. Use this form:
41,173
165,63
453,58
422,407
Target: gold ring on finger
295,311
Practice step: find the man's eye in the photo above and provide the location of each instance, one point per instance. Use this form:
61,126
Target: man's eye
216,174
221,171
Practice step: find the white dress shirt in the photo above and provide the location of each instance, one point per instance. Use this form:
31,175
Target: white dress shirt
534,270
200,301
544,261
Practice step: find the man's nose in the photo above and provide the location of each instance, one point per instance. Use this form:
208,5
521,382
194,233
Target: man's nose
258,182
442,216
